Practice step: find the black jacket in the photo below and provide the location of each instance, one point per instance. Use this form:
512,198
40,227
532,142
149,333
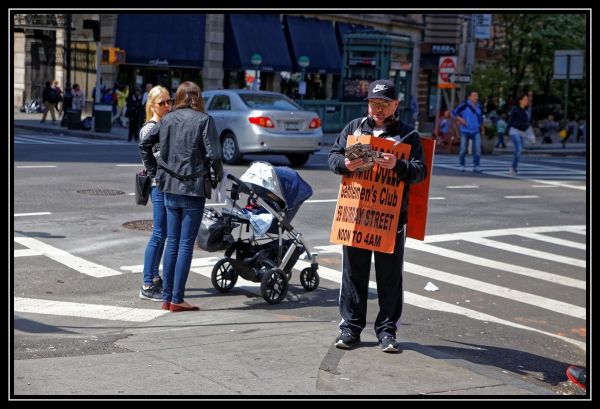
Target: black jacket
410,171
517,118
189,146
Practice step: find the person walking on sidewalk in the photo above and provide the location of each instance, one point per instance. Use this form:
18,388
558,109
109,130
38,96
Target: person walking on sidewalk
134,111
382,122
189,147
59,104
518,123
470,119
49,99
159,103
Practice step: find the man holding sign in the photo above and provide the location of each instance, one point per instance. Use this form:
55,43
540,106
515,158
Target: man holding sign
372,212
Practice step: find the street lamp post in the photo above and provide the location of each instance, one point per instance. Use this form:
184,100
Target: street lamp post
303,63
255,60
68,97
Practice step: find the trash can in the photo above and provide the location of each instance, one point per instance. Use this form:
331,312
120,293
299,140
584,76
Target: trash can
73,119
103,117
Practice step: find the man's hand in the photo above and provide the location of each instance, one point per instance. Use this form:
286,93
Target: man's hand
386,160
461,120
354,164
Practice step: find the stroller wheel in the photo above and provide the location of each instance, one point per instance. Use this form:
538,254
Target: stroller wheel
309,279
274,286
223,275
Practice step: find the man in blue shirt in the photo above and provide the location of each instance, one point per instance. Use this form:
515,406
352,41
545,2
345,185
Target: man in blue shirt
470,119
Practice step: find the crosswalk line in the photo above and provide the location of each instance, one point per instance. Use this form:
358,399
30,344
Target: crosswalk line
498,291
434,238
96,311
76,263
433,304
483,262
553,240
26,253
499,265
528,251
487,288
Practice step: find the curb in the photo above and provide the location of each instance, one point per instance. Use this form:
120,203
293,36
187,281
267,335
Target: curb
71,132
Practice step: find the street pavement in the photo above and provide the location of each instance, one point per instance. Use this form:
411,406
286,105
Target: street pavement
223,352
32,122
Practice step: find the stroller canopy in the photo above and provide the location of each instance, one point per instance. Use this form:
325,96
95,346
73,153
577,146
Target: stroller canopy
283,182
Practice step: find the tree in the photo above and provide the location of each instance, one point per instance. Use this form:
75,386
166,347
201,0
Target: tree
525,55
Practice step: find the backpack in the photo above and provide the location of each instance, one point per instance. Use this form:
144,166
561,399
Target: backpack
53,96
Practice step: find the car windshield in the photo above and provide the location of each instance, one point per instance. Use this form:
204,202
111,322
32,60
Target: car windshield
269,101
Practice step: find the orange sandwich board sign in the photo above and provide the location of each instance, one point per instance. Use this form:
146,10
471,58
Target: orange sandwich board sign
418,199
369,202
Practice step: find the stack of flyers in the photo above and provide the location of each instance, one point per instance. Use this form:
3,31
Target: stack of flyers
361,151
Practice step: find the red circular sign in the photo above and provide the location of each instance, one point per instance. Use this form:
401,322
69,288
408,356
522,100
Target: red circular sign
447,67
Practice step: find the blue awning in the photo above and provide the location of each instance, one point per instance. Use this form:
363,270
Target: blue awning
316,40
249,34
174,40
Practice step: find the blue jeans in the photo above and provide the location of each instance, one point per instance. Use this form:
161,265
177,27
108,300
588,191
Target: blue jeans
154,249
517,141
184,214
500,142
464,136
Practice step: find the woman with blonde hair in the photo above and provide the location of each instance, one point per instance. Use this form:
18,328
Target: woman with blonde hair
159,103
189,148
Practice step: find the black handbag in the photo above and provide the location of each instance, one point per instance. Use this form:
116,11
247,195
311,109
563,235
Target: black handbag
143,183
214,233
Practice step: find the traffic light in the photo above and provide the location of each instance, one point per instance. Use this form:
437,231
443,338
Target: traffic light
113,55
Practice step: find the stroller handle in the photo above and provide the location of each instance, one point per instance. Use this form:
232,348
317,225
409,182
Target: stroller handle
243,186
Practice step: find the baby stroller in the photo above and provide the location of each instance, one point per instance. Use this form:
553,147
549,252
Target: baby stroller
272,246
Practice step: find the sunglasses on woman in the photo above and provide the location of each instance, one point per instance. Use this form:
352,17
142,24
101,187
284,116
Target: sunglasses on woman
166,101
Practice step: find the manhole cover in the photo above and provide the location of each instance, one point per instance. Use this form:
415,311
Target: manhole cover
101,192
145,225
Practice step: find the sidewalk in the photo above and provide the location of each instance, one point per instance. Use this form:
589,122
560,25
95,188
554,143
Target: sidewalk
255,351
32,122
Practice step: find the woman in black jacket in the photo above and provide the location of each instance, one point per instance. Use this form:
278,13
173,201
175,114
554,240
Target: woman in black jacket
189,148
518,122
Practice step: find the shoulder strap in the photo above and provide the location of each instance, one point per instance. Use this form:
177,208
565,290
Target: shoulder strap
176,175
358,131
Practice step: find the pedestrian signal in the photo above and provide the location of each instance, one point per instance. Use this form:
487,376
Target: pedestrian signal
113,55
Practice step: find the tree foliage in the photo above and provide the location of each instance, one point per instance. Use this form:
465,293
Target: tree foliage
526,58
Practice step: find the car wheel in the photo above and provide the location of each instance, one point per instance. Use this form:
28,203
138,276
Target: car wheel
231,151
298,159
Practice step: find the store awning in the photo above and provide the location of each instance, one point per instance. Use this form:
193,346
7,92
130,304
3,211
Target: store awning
173,40
316,40
249,34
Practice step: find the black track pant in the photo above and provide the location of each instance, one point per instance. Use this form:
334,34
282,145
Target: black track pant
355,288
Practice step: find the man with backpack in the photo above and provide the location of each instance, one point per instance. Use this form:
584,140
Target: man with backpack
470,119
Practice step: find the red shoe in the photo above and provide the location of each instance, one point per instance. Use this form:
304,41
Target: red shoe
166,305
577,375
180,308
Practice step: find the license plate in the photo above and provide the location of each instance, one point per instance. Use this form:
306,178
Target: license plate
292,125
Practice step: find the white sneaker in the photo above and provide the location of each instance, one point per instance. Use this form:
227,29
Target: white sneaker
462,168
477,169
512,172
